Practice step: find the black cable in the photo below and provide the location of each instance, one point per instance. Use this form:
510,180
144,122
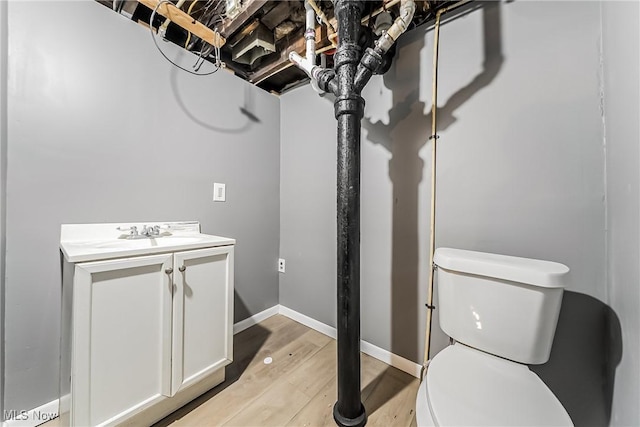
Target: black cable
155,42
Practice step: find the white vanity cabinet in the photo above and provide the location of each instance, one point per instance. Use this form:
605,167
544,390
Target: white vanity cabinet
145,334
202,330
121,334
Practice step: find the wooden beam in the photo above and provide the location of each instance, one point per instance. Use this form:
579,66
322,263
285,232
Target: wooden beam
249,9
185,21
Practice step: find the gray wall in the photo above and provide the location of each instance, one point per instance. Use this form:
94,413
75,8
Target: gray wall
539,157
621,46
102,129
520,164
3,172
520,172
308,204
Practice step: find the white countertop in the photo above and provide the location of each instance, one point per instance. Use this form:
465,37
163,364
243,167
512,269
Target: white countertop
95,242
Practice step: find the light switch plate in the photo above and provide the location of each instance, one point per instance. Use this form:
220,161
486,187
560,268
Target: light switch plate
219,192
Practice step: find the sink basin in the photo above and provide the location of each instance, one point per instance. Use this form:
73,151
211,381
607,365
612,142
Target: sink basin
95,242
150,242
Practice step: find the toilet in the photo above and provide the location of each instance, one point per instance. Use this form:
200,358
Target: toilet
501,312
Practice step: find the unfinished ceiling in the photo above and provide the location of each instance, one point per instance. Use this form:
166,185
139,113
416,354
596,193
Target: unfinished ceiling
253,38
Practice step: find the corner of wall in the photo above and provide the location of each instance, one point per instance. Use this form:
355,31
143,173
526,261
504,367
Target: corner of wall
620,69
4,22
280,130
279,188
605,200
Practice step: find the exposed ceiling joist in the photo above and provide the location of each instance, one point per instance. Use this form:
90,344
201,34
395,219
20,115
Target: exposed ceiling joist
248,10
253,38
185,21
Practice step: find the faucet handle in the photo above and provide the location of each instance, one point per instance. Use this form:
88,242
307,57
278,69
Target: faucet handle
133,230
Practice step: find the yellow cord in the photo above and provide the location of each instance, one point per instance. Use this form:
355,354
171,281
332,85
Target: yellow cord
433,138
189,13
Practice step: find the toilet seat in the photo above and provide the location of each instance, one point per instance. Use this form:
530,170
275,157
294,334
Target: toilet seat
467,387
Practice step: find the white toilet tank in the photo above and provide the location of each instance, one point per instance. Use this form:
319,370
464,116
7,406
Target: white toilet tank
503,305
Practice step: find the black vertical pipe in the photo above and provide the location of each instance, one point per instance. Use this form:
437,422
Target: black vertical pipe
349,106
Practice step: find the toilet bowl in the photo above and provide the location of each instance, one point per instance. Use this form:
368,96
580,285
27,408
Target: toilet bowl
502,311
467,387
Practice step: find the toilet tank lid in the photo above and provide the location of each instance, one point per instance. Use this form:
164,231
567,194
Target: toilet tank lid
535,272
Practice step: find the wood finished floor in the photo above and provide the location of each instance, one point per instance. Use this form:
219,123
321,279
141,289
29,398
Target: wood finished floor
298,388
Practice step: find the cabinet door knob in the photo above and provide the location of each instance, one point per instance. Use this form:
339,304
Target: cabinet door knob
182,268
168,270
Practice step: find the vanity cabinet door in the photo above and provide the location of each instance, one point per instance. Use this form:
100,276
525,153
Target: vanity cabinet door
122,338
202,314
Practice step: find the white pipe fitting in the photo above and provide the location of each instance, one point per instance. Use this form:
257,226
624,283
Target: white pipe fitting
310,32
400,25
308,63
303,63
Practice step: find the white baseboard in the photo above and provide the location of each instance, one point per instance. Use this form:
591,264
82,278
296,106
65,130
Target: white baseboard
405,365
48,411
330,331
381,354
255,319
33,417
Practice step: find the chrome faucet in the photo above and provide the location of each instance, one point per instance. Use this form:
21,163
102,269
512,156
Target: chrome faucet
133,231
152,231
145,233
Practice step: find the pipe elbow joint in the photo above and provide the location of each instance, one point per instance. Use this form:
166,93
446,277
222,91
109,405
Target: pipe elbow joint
326,80
407,10
369,64
371,59
400,25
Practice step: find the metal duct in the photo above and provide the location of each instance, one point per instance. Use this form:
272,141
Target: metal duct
258,43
